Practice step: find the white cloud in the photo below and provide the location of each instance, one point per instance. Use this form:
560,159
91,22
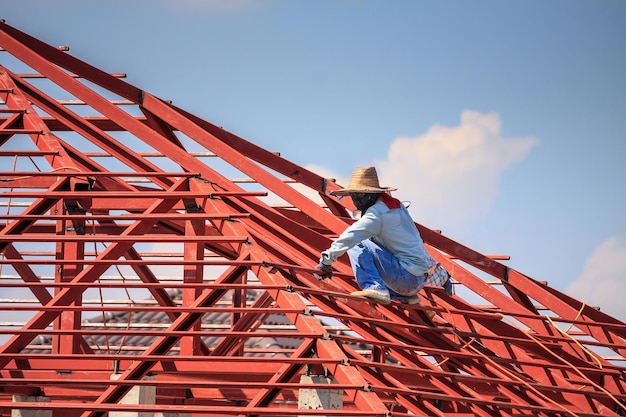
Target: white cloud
452,175
602,281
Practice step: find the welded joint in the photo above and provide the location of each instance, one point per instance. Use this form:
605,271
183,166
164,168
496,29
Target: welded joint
290,288
266,264
79,230
366,388
307,312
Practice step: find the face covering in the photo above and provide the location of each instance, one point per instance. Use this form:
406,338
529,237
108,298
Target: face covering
363,201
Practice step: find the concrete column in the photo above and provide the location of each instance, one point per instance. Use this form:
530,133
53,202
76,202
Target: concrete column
319,399
30,413
140,394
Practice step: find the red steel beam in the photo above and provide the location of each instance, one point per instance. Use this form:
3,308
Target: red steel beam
467,359
90,274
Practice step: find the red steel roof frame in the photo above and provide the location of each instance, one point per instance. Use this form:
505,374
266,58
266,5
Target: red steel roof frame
528,350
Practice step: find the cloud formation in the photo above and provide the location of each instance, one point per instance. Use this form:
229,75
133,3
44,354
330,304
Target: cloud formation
452,175
602,281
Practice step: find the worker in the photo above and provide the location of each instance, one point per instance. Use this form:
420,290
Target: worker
386,251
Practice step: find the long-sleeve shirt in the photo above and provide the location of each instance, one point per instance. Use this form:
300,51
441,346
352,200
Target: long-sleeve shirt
392,229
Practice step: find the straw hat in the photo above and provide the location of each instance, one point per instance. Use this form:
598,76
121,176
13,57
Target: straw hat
363,180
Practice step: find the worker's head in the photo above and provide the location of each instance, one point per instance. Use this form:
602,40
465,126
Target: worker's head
363,188
363,201
363,181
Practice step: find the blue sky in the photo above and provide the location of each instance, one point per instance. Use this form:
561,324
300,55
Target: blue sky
503,122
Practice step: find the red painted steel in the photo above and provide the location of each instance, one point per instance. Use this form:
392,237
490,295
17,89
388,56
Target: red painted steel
123,250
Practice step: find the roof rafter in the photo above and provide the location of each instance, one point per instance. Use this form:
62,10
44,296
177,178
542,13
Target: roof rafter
127,247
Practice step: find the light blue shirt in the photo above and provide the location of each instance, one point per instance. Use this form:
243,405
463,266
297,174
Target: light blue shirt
392,229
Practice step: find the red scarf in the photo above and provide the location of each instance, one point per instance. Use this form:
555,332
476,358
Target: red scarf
389,201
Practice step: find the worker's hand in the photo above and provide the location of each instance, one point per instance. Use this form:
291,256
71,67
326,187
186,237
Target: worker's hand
323,271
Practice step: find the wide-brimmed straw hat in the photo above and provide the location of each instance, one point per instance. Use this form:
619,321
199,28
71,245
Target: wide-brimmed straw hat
363,180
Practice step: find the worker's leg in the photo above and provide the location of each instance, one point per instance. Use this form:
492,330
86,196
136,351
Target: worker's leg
364,267
375,268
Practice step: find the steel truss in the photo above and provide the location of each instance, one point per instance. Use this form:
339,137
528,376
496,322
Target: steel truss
114,200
